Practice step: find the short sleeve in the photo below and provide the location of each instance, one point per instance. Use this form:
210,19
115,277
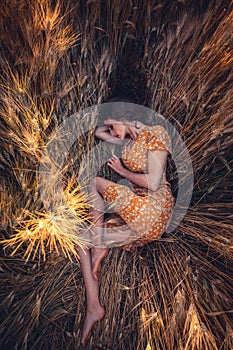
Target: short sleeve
159,139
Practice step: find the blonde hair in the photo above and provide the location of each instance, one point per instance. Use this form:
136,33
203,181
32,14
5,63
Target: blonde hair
127,122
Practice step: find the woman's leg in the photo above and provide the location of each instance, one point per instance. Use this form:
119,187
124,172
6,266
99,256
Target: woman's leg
90,259
95,311
99,251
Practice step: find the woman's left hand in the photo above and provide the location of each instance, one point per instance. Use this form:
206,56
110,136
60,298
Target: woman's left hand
115,163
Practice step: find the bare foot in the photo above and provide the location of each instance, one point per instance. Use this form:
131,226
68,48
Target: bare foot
92,316
97,255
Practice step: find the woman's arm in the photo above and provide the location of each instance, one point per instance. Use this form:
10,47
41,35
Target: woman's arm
102,132
151,180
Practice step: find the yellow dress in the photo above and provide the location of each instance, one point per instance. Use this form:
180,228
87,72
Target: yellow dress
146,212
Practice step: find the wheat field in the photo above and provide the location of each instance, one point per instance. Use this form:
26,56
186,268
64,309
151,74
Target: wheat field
58,58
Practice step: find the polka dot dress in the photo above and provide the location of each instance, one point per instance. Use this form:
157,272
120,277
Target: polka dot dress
146,212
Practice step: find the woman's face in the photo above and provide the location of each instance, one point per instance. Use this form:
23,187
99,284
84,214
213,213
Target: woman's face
117,129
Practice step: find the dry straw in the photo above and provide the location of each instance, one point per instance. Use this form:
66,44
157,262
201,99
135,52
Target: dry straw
59,57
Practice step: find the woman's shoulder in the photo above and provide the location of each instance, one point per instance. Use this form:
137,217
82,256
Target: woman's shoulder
158,138
139,125
156,130
157,127
149,131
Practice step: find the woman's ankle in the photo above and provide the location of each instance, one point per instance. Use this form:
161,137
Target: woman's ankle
95,307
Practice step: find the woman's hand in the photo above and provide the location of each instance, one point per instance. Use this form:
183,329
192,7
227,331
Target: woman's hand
115,163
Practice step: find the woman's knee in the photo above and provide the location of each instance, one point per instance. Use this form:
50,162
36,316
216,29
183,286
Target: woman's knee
93,185
98,184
